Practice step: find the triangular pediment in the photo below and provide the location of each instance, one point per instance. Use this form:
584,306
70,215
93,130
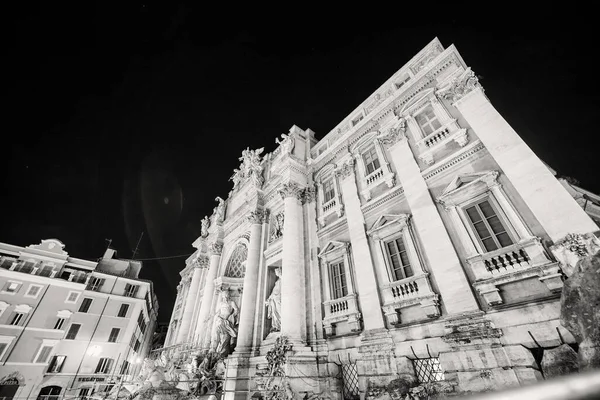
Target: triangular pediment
332,246
386,219
464,179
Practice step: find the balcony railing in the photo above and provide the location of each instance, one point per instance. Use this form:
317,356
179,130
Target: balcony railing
519,261
436,137
342,309
329,206
414,290
374,176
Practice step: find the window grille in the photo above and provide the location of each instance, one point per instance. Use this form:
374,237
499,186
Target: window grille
428,370
350,381
235,266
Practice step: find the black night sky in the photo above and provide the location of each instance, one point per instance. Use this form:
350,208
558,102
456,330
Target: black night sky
130,117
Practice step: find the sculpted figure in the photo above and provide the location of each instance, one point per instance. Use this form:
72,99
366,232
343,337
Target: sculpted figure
277,231
219,210
287,143
273,304
205,226
237,178
225,323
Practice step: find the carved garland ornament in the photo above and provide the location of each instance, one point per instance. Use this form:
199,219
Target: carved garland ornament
394,134
460,86
345,170
215,248
202,261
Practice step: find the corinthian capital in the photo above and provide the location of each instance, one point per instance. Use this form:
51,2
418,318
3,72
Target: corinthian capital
290,189
256,217
202,261
460,86
345,170
215,248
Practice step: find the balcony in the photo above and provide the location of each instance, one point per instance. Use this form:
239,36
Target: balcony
375,178
342,309
522,260
446,133
408,292
332,206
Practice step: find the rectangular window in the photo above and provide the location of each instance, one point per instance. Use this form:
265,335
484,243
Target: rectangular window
43,354
123,310
104,365
136,345
72,297
3,347
95,284
27,267
59,323
328,190
371,160
11,287
114,335
428,121
400,265
85,305
73,331
338,280
141,322
56,364
125,368
33,291
488,226
17,319
132,342
131,290
46,271
357,120
84,393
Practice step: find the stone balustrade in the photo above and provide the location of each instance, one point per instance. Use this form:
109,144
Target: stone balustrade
374,176
342,309
415,290
519,261
436,137
329,206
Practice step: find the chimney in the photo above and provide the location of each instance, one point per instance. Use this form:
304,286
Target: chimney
108,254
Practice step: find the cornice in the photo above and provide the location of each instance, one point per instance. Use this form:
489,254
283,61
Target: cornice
452,160
331,229
378,201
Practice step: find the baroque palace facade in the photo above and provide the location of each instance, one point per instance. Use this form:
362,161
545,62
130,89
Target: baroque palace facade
414,239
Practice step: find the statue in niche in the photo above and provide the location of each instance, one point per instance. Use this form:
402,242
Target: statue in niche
225,322
205,226
219,210
287,143
273,303
277,230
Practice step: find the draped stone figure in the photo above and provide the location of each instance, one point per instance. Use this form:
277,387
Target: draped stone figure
273,304
225,323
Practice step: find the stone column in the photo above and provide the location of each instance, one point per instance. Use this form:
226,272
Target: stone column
203,261
366,283
171,332
293,306
438,249
190,301
248,308
214,249
534,182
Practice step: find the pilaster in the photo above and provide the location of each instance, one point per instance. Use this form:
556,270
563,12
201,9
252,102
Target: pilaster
202,326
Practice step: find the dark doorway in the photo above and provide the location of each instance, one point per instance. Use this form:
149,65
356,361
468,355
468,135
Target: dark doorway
9,388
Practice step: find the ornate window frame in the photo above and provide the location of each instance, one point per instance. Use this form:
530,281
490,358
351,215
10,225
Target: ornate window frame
384,173
427,144
525,258
343,308
416,289
335,204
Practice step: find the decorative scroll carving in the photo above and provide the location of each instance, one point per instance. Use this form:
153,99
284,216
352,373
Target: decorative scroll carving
277,229
202,261
345,170
205,226
427,58
394,134
215,248
287,144
309,195
251,167
290,189
460,86
219,211
256,216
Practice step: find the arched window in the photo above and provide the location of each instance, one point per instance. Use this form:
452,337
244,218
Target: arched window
49,393
8,388
236,265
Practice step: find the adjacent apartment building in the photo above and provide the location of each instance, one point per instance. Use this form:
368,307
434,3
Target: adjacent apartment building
70,327
414,238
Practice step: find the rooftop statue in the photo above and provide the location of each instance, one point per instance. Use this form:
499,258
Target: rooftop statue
286,144
251,167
